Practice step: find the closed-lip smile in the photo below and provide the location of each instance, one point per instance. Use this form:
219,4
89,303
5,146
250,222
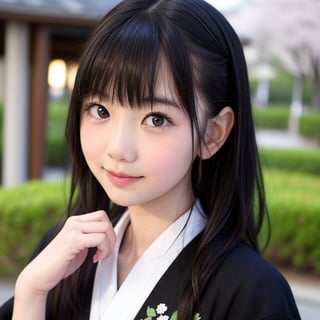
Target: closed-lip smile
121,179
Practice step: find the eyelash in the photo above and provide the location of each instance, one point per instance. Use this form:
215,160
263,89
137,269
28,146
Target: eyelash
92,105
158,115
98,106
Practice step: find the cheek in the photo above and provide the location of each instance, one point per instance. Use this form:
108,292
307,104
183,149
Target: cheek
89,143
170,158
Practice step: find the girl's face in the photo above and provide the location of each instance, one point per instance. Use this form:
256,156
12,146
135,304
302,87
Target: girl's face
141,155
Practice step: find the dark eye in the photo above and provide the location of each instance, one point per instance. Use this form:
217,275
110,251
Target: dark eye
98,111
156,120
102,112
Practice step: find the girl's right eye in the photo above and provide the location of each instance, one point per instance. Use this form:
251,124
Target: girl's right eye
98,111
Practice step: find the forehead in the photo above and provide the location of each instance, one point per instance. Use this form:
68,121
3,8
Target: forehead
119,86
164,83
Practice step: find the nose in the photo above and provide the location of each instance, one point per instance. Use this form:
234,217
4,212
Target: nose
122,143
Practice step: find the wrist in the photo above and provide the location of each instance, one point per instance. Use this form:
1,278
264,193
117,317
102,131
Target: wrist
28,285
29,301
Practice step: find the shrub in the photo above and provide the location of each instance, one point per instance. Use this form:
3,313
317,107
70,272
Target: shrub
281,86
29,209
1,131
294,206
56,148
26,212
272,117
296,160
309,125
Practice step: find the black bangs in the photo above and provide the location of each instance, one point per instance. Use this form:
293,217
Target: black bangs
120,60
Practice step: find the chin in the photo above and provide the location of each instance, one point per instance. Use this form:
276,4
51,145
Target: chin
122,201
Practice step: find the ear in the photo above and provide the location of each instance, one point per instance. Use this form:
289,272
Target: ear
216,132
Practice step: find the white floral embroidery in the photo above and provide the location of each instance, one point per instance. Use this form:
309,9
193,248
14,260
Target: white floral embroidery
162,317
161,309
158,313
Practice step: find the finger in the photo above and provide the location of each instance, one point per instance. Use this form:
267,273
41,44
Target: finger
106,246
105,243
91,240
99,255
103,250
101,227
104,225
96,227
91,230
99,215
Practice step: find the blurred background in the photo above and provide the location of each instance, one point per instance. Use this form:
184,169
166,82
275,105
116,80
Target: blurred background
40,43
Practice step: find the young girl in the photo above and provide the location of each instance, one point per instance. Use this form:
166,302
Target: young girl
167,195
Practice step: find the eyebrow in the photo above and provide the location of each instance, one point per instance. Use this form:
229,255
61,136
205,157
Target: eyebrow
160,100
154,100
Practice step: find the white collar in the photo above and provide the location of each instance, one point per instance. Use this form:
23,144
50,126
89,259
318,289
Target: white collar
110,303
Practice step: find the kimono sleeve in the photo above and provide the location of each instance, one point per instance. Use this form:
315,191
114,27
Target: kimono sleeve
248,287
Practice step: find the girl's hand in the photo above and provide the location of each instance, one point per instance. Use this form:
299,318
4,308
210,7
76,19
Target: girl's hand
67,251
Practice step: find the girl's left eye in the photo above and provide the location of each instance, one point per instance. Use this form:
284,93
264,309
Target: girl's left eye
156,120
98,111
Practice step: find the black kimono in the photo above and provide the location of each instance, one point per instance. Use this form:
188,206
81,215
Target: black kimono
246,287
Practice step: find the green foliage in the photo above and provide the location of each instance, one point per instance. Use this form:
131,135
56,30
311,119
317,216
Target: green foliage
56,148
1,130
294,206
293,188
277,117
309,125
272,117
295,160
281,86
26,212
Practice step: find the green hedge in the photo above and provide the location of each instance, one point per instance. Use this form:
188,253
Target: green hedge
1,130
309,125
277,117
281,86
271,117
294,205
56,148
296,160
26,212
55,145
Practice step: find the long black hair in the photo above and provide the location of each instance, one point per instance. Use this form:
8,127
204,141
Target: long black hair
206,58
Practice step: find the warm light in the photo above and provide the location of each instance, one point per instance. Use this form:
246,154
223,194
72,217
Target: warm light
57,75
71,74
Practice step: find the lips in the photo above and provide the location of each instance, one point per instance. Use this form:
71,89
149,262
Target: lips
121,179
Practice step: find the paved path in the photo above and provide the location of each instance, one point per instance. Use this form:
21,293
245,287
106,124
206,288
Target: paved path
308,301
283,139
6,290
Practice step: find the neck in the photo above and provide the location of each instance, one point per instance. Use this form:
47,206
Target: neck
148,222
143,230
